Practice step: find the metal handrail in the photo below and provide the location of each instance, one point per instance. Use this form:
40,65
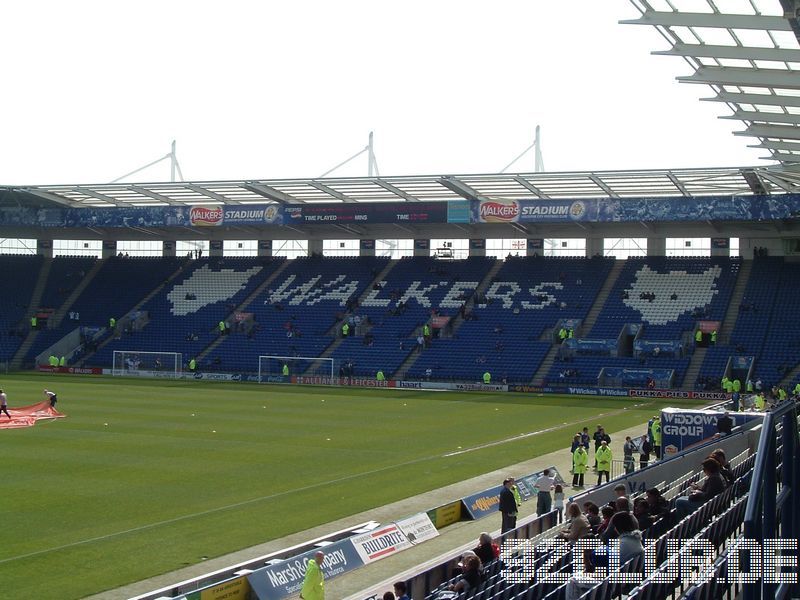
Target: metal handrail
764,501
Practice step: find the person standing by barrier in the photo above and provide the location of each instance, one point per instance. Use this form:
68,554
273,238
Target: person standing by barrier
515,491
627,451
645,448
558,502
604,457
487,378
314,581
508,507
543,485
580,460
657,437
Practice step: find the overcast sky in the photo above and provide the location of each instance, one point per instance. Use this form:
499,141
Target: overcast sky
281,89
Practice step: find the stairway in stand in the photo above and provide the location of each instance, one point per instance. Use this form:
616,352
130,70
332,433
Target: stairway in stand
586,326
36,299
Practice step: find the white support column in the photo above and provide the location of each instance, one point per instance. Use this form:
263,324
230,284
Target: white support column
314,247
264,248
477,247
109,248
422,247
594,246
366,248
720,246
535,247
657,246
44,248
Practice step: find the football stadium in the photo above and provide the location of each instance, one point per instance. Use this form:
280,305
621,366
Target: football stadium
497,386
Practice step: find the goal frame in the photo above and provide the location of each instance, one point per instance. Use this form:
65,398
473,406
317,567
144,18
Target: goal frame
120,369
310,359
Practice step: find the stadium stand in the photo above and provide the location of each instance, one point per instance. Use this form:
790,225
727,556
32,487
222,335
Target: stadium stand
184,315
297,315
524,300
102,300
667,296
719,519
22,271
412,290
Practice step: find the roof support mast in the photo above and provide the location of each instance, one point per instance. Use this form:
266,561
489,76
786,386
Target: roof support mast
175,167
372,162
536,146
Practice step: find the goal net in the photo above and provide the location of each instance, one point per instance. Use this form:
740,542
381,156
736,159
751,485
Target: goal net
137,363
275,368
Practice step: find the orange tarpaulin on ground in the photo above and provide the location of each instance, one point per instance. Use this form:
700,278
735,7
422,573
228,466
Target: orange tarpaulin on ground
26,416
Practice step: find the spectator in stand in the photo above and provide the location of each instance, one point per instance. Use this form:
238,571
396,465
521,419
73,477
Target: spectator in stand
486,550
641,511
577,525
606,512
621,505
657,505
724,466
701,493
592,512
630,536
620,491
471,577
400,590
725,424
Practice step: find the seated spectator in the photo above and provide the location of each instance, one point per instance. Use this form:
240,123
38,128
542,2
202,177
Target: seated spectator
701,493
657,505
577,525
487,550
620,491
389,596
621,505
592,512
724,466
630,536
642,514
471,576
400,590
607,512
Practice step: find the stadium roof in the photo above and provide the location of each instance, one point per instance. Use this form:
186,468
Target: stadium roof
750,58
566,185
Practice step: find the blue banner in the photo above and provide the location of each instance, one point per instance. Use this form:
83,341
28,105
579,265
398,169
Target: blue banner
681,428
605,210
601,210
285,579
483,503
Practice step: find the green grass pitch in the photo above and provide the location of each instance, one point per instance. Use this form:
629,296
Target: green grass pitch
145,477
